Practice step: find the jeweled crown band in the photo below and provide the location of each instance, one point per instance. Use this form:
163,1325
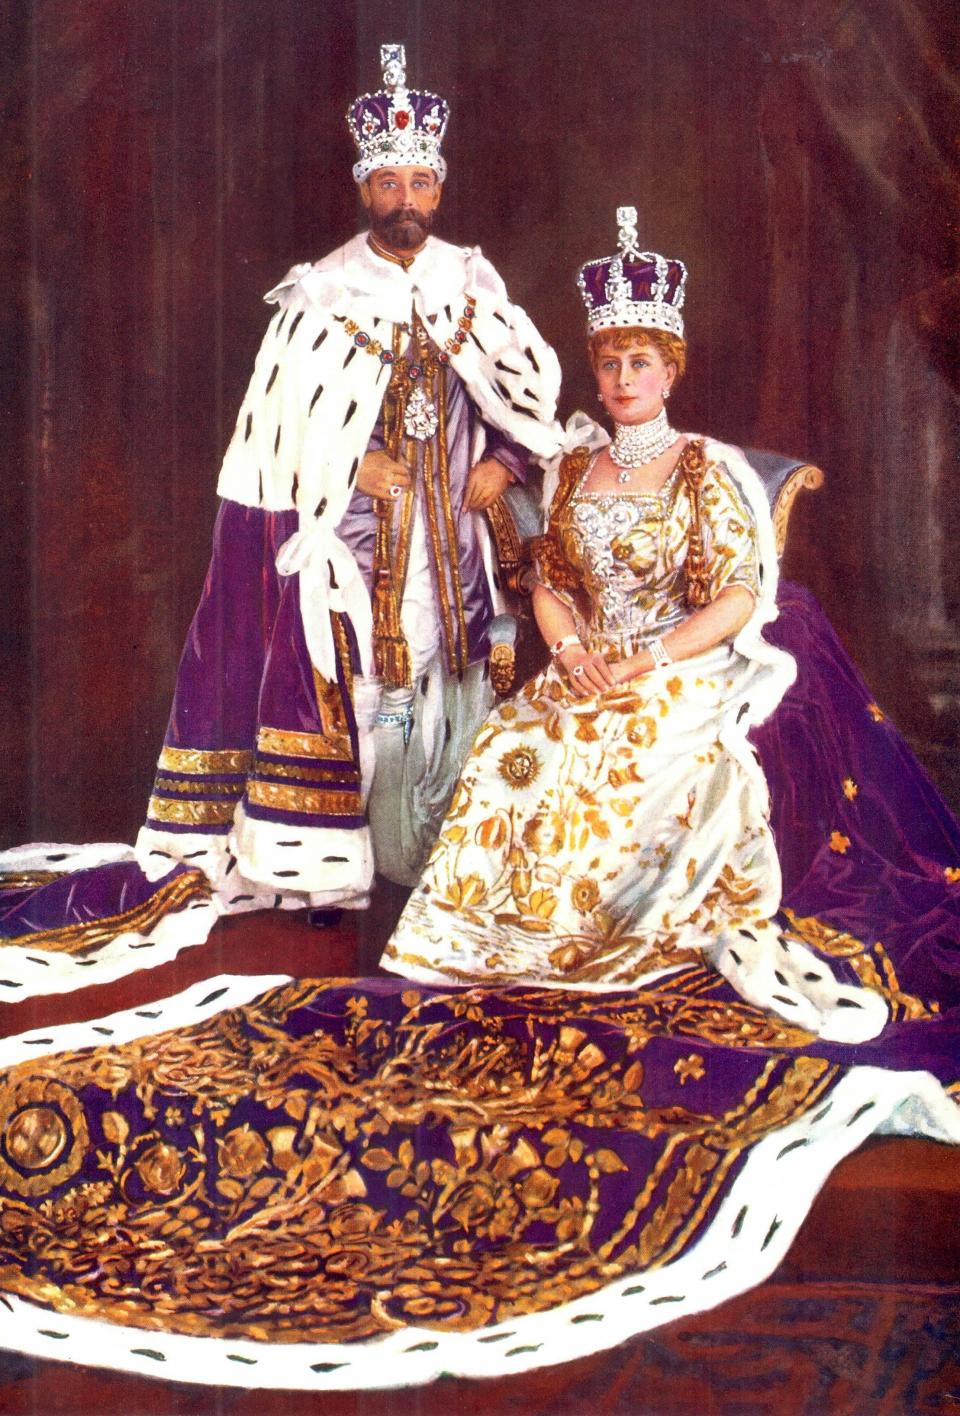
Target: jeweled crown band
633,287
397,126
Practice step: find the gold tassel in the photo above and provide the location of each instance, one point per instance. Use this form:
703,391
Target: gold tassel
391,653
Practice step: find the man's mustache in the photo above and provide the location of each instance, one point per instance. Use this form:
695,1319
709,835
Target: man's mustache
396,218
405,228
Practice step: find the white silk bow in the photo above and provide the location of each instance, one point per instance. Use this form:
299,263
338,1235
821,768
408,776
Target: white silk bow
330,580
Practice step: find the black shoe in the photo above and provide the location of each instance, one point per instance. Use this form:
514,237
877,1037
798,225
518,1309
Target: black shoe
324,919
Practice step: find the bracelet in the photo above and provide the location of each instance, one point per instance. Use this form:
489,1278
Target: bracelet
659,653
569,641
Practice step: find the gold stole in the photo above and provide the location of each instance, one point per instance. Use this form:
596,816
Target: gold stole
391,653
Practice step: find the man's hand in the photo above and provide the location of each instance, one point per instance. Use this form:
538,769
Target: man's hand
487,481
379,474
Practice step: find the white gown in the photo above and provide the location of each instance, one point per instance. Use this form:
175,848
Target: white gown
594,843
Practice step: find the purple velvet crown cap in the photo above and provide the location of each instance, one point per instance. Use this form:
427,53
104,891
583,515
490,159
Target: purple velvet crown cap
641,274
397,126
375,113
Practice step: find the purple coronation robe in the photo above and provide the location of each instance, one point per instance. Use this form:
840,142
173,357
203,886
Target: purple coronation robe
247,713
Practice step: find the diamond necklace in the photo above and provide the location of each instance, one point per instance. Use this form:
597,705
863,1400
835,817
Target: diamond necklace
636,444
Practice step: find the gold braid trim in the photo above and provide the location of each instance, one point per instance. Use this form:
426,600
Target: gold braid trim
175,895
306,801
391,653
191,813
342,644
401,553
693,467
197,760
30,879
453,554
801,1088
546,550
556,570
300,773
433,531
189,787
281,743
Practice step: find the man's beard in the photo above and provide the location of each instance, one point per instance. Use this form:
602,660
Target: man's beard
403,230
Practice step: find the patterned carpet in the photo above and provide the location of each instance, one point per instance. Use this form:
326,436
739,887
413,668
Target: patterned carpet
846,1349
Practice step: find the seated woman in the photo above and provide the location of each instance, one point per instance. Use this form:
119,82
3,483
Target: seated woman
611,823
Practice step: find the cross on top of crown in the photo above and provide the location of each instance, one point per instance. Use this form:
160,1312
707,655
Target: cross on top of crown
393,61
627,231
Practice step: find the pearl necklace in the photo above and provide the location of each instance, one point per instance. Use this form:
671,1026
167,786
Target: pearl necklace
636,444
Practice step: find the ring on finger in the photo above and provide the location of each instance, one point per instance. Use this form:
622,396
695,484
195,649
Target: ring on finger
395,490
578,671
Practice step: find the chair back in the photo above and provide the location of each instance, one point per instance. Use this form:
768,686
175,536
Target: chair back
782,478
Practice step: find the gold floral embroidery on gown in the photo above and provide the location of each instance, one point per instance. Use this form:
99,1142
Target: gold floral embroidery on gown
592,843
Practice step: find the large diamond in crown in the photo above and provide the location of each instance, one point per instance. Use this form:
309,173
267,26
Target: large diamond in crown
633,287
397,126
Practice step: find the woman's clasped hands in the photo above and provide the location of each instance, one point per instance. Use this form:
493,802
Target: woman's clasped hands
588,673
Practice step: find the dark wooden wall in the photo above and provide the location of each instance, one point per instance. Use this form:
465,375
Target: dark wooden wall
166,160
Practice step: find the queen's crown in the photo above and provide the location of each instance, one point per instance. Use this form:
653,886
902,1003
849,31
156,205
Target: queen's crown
633,287
397,126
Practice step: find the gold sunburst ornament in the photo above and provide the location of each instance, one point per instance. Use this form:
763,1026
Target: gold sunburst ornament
519,767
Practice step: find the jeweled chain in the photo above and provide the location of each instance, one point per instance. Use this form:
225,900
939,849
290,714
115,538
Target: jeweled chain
636,444
450,346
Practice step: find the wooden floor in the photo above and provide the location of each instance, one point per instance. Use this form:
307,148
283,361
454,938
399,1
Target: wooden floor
863,1316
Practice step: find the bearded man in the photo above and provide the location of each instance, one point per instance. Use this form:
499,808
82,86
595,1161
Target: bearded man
336,670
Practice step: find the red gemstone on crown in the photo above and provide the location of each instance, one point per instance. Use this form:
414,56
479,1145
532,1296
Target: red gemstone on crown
401,119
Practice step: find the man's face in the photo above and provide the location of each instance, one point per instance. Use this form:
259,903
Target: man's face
401,202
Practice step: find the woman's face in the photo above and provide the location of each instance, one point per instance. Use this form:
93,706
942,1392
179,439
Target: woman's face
632,380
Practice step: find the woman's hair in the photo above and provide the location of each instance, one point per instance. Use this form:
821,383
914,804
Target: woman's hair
671,348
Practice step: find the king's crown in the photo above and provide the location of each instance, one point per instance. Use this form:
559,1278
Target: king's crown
397,126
